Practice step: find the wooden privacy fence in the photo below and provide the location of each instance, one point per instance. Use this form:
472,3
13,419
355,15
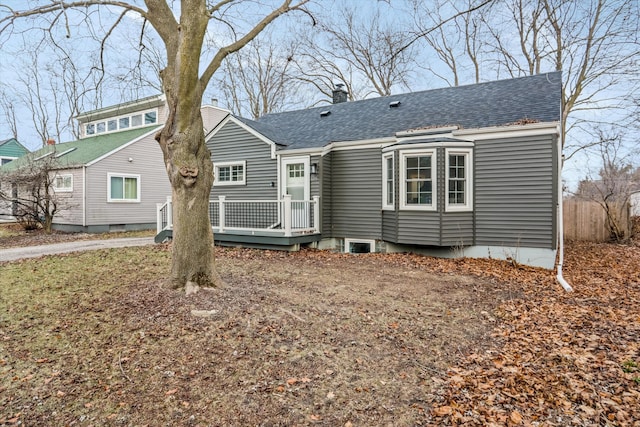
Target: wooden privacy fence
587,220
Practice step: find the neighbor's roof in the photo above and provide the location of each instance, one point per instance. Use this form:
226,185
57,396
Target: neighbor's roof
535,98
6,141
81,152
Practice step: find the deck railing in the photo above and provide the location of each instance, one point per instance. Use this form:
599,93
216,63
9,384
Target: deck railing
284,217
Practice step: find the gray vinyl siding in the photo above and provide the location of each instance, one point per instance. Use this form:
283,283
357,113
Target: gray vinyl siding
514,192
456,229
356,193
147,161
390,226
419,228
326,196
233,143
70,204
316,180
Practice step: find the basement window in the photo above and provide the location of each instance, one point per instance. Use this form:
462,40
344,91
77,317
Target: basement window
359,246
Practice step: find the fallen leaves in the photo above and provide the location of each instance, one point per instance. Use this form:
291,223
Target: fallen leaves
566,358
321,338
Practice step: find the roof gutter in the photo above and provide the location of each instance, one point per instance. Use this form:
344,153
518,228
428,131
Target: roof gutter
561,280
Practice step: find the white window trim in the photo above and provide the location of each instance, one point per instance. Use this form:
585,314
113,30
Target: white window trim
347,243
62,189
385,157
468,205
403,182
117,119
6,158
122,175
216,173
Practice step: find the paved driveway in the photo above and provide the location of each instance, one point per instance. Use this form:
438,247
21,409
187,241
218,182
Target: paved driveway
13,254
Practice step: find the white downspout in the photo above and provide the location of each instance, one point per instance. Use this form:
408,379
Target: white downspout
567,287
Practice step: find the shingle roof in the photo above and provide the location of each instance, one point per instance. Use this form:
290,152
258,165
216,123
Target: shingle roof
81,152
535,98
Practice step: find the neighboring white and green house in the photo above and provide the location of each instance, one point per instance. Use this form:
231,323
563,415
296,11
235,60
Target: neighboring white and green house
459,171
113,177
11,149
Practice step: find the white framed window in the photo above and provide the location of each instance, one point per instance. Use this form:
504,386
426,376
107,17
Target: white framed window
458,180
4,160
123,187
388,182
230,173
418,180
63,183
122,122
359,246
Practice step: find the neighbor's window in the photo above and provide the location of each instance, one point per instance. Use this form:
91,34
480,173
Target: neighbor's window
150,117
388,196
123,188
230,173
63,183
418,180
458,180
123,122
136,120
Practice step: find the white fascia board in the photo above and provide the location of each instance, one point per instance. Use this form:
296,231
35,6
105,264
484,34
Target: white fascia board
152,101
358,145
439,131
253,132
513,131
217,127
409,147
123,146
300,151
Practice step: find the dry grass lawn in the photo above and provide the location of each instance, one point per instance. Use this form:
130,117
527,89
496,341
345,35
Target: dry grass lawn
316,338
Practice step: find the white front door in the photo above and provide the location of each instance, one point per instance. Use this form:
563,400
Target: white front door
296,181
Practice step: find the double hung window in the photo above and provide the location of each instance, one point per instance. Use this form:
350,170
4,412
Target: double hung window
388,182
458,180
62,183
418,180
230,173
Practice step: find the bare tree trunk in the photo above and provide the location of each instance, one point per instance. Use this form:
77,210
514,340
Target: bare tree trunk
190,170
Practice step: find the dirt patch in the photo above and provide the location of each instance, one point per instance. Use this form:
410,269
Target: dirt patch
292,339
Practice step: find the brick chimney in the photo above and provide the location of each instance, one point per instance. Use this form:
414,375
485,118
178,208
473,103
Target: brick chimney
51,141
339,94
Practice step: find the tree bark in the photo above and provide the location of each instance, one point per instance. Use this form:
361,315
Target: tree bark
186,156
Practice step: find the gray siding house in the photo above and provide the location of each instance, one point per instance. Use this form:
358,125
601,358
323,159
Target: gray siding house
114,176
459,171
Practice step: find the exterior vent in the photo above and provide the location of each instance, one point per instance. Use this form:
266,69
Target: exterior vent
325,113
394,104
65,152
45,155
